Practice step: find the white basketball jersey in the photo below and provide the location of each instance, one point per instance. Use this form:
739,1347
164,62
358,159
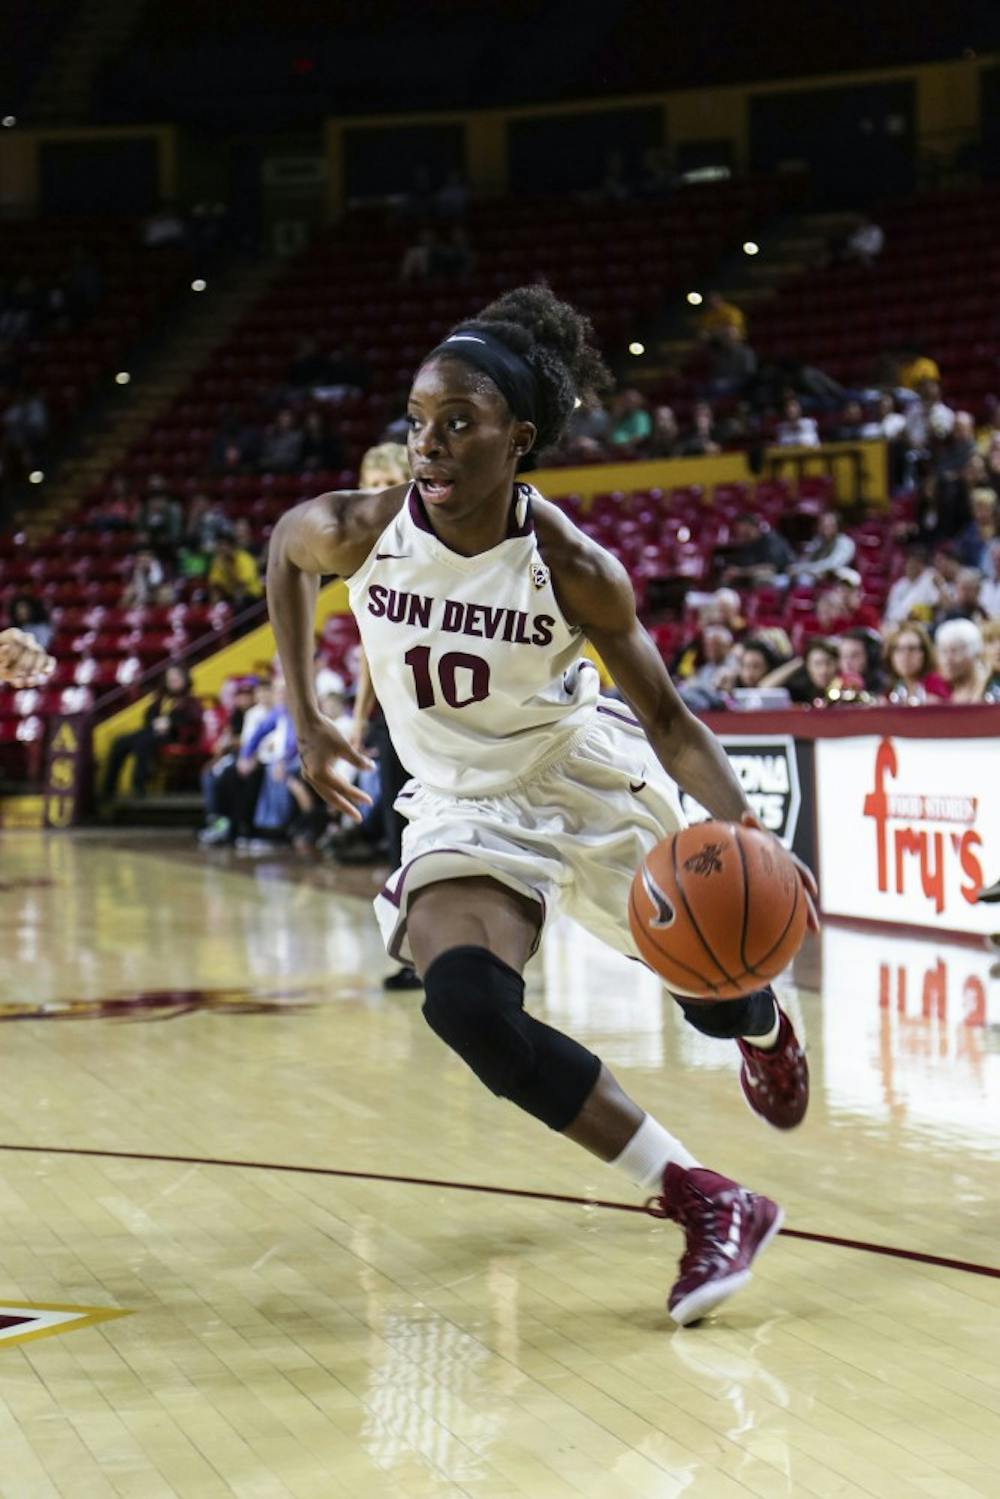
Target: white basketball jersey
479,676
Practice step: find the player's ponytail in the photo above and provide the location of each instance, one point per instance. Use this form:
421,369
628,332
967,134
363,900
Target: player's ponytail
557,342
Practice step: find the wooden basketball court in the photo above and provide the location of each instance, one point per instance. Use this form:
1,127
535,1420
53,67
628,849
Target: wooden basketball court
215,1122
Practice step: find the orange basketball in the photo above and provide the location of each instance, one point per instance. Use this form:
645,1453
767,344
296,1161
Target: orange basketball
717,910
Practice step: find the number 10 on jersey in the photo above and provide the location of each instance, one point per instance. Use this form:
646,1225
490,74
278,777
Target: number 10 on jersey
463,679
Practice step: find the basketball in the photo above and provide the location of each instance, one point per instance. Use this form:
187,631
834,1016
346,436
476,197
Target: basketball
717,910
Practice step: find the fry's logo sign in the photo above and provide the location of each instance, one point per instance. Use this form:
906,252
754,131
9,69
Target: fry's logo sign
922,837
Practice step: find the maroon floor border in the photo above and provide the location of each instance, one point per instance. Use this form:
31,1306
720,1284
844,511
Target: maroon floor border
968,1267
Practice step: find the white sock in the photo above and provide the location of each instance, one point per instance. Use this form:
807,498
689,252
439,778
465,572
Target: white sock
769,1039
649,1152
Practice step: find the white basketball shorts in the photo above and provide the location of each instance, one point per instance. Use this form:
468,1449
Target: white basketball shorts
570,838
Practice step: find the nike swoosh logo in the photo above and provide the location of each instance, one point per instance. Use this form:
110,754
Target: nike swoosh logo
390,556
637,788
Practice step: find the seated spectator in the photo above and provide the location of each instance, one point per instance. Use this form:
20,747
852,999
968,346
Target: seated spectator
732,362
959,644
991,645
796,430
285,805
235,444
974,543
989,593
700,440
757,554
231,798
828,550
851,426
415,264
173,717
756,661
859,661
29,614
206,521
865,243
664,437
927,418
725,607
911,667
452,199
808,679
321,447
454,259
915,368
965,601
243,539
386,464
989,432
720,314
281,449
704,685
25,425
886,422
917,593
858,614
160,515
146,577
631,423
233,576
215,773
587,432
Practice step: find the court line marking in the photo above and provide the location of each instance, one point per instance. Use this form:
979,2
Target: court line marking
968,1267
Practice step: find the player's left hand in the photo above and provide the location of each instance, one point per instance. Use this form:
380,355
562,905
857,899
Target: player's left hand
809,886
23,663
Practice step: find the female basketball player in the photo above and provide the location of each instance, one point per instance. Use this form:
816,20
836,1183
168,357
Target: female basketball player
474,597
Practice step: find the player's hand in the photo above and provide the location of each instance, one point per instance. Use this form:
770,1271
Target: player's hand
809,886
356,735
320,747
23,663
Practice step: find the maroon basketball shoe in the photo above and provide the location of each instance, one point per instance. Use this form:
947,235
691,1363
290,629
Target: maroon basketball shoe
775,1083
725,1228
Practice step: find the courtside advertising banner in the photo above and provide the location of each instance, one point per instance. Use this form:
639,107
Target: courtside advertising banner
909,830
767,768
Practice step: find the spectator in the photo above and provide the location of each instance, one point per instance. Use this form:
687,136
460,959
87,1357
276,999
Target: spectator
214,775
828,550
160,515
914,368
989,432
959,644
587,431
384,465
700,440
991,645
26,423
715,652
664,437
756,661
989,594
173,717
851,426
321,447
732,362
235,444
455,259
859,661
865,243
206,522
720,314
234,792
796,430
886,422
917,593
146,577
285,804
281,449
234,576
631,423
808,680
859,614
966,603
927,418
243,539
911,667
974,543
30,615
758,554
415,264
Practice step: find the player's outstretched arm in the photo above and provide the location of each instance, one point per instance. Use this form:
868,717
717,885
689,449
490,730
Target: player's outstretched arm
595,593
23,662
330,535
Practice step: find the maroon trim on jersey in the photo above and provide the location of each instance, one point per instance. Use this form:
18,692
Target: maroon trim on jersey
633,723
418,515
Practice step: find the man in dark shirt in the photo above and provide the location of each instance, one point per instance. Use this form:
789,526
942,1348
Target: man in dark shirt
756,554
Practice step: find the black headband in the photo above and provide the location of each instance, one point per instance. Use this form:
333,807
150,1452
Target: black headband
511,374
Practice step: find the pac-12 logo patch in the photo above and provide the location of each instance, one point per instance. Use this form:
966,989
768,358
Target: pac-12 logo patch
539,574
665,913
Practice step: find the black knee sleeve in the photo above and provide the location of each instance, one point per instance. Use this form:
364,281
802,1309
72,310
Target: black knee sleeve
475,1002
753,1015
